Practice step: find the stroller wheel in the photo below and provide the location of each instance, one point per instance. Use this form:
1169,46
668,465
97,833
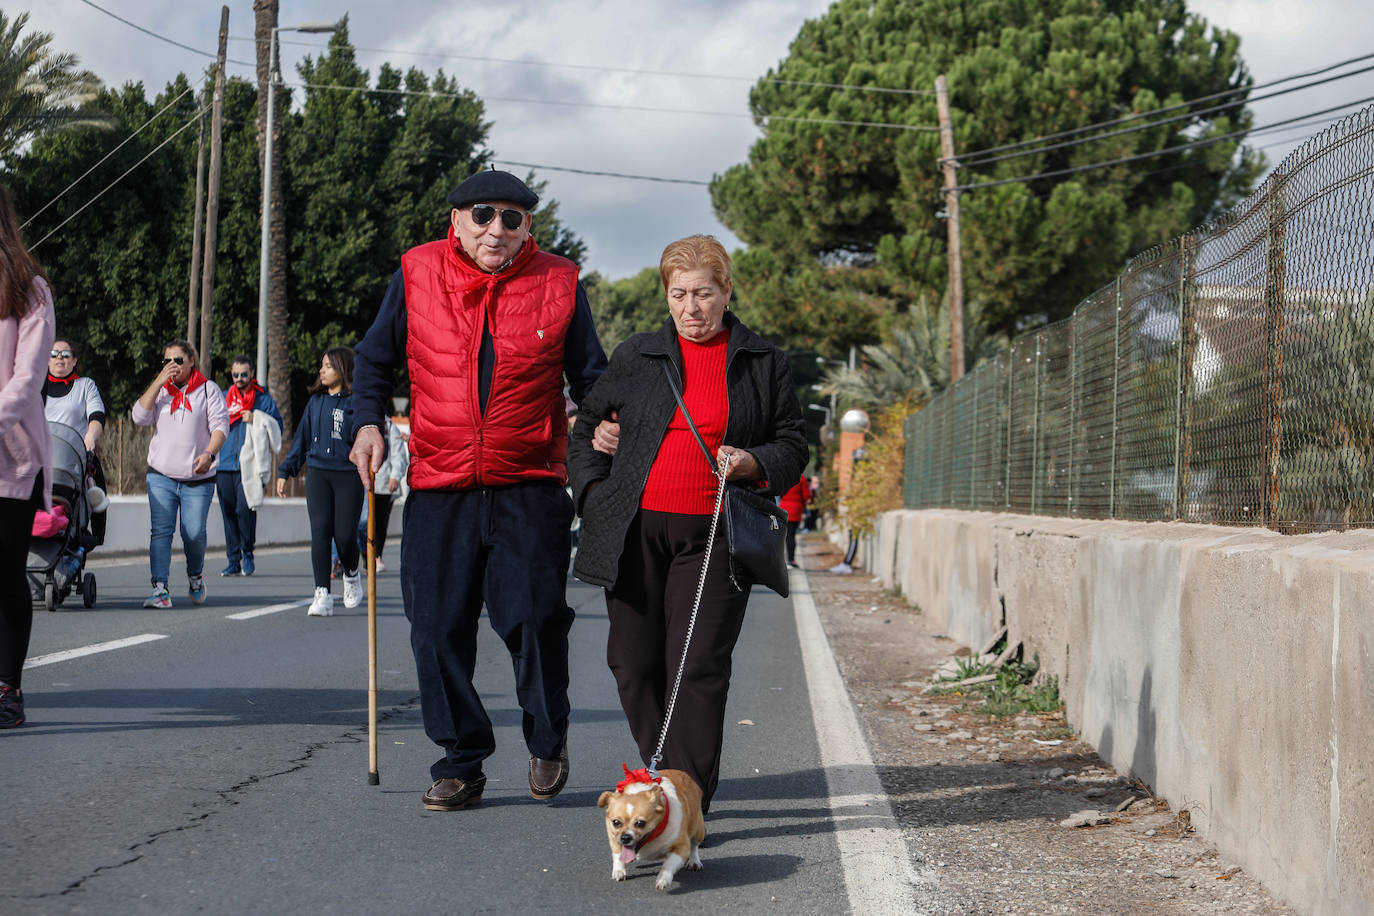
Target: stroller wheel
88,590
50,596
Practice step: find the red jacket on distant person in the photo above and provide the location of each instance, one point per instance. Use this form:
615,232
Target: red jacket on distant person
795,500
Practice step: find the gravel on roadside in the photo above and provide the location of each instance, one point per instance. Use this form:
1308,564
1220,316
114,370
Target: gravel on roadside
987,804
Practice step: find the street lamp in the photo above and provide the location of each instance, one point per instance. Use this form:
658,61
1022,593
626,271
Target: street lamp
268,173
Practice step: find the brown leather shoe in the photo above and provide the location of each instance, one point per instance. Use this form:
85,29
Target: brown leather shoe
454,794
548,777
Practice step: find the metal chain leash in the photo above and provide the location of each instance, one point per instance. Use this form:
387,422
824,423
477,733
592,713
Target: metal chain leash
724,470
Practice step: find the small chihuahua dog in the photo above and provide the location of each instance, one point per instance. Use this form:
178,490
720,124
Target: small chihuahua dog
653,818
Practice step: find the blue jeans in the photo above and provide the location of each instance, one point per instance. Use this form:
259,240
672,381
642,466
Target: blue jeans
165,497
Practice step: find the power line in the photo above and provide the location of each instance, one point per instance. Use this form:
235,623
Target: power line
1058,173
103,158
78,210
1168,108
967,163
445,55
135,25
555,168
571,104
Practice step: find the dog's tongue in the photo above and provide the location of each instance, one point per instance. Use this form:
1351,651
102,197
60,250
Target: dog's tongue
627,855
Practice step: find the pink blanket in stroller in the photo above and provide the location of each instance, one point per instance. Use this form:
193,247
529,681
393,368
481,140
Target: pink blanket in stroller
50,524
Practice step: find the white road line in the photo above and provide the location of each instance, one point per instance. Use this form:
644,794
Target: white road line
110,646
878,873
270,609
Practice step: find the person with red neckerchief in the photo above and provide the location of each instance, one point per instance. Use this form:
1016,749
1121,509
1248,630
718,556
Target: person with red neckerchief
190,423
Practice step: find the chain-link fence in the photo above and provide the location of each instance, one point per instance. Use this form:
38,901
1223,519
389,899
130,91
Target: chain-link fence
1226,377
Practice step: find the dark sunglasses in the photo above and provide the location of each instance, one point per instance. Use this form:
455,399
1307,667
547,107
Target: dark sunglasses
173,359
242,374
510,218
61,354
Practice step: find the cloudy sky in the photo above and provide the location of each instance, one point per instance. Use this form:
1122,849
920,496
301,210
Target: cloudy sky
636,87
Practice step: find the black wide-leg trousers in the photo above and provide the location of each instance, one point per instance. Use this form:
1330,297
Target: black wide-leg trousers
649,609
507,548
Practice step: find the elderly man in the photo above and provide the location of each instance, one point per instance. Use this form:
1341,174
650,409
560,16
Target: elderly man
245,398
487,326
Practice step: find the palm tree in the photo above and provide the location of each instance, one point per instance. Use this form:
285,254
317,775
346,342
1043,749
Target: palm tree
40,91
913,364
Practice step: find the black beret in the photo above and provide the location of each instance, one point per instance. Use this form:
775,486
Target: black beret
490,185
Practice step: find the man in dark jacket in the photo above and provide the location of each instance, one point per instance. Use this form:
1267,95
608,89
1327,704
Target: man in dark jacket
487,326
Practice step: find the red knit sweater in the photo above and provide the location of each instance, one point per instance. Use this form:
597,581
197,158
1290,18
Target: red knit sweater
680,479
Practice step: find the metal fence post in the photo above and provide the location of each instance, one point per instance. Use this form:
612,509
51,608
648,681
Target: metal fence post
1275,267
1116,389
1011,374
973,452
1035,430
1183,403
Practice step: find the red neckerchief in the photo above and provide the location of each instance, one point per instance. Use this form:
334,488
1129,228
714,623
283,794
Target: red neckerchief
240,403
181,397
68,381
642,775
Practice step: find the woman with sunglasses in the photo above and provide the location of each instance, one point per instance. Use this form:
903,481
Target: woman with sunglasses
333,492
190,423
74,400
26,332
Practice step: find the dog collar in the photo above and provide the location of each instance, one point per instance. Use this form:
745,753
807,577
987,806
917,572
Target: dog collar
654,834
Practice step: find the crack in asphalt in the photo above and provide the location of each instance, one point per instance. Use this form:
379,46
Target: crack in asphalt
228,800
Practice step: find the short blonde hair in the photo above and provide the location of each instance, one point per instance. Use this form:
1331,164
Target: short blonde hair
693,252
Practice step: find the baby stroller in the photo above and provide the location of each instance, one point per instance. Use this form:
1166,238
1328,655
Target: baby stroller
56,562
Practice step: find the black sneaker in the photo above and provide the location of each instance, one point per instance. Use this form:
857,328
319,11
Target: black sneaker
11,707
454,794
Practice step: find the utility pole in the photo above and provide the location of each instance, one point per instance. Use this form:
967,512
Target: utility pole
956,254
207,278
193,295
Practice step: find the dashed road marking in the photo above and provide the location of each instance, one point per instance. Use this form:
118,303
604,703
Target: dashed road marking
261,611
110,646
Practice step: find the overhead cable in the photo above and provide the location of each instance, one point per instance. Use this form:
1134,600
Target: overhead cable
135,25
968,162
445,55
81,208
556,168
571,104
1059,173
165,109
1168,108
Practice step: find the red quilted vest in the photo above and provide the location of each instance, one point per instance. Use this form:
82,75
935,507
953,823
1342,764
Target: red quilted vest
523,435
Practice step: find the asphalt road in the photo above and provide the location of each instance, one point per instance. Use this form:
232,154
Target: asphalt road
221,767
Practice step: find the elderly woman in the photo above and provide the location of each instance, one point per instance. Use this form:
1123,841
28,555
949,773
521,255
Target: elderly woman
73,399
646,493
190,423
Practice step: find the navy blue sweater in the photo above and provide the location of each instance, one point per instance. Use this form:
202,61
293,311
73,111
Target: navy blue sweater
323,436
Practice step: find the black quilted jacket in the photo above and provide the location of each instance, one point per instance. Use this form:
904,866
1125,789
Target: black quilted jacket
765,418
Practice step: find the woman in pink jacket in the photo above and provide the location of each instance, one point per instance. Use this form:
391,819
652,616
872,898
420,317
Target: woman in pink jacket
190,423
26,334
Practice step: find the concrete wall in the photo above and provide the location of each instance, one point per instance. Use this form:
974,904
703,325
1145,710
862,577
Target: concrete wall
280,521
1230,669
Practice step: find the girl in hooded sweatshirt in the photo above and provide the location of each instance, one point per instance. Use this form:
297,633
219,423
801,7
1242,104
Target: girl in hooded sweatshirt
333,492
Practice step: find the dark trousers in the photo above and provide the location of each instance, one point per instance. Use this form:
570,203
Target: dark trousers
791,541
334,500
506,547
240,522
381,508
16,602
649,610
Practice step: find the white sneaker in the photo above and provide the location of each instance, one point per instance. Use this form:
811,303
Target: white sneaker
323,605
353,589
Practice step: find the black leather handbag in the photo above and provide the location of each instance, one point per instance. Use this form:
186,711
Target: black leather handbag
755,526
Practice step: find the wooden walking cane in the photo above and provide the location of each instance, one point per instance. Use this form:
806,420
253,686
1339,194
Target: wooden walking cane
373,777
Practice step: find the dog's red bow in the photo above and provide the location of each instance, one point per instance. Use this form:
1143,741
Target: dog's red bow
634,776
